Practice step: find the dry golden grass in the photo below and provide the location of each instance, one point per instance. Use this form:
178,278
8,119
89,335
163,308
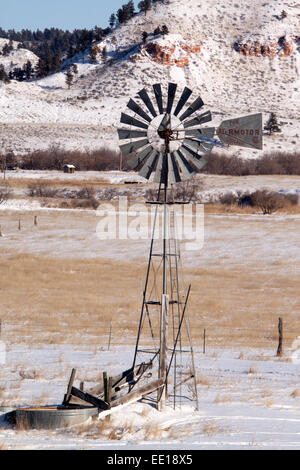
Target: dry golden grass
296,393
3,446
223,399
215,208
252,371
203,380
211,428
266,393
48,299
58,300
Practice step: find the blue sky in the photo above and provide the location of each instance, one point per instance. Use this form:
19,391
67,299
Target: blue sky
64,14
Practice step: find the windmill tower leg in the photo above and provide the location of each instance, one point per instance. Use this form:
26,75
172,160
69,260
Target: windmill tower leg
163,350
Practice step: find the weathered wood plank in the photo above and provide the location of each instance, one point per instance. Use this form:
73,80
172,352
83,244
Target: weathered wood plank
70,385
126,376
137,394
89,398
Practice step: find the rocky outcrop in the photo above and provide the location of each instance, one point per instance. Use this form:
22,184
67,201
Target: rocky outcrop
166,55
283,47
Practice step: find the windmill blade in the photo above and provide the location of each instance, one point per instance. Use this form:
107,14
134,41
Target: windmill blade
197,104
129,134
199,145
183,99
245,131
158,172
149,165
145,98
204,135
173,175
201,119
135,161
171,96
184,165
207,132
158,97
138,110
166,120
131,121
193,157
127,149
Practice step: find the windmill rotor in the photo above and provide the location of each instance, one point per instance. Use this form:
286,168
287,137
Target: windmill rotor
165,134
159,137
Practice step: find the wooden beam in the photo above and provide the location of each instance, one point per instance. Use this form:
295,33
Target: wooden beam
139,393
70,385
90,399
126,376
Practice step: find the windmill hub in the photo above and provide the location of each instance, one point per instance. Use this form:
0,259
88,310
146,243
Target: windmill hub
157,137
165,134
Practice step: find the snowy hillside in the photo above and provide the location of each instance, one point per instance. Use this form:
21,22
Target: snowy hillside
241,57
17,57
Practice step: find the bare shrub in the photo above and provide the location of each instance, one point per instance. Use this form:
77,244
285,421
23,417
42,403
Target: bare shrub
55,158
5,193
84,203
28,375
268,201
229,199
86,192
185,191
41,190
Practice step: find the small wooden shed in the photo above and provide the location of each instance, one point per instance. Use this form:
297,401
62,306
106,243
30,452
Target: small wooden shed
69,168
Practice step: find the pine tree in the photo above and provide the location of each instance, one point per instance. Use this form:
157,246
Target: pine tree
144,6
28,70
144,36
130,8
164,30
157,31
69,78
3,75
98,33
272,124
75,69
112,20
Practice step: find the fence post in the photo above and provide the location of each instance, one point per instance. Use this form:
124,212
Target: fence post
280,337
204,340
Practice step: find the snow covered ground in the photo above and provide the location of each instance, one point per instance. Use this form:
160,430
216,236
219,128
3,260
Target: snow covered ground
246,401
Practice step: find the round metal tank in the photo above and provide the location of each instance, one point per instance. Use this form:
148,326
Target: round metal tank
6,413
52,417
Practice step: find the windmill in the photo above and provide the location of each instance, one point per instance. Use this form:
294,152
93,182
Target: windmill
166,137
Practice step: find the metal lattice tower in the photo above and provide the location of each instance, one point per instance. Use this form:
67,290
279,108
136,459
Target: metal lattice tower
165,138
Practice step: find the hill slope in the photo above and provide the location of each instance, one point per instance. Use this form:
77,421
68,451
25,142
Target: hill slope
240,57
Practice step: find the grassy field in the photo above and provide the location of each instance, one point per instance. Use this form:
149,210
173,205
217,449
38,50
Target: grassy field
60,284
